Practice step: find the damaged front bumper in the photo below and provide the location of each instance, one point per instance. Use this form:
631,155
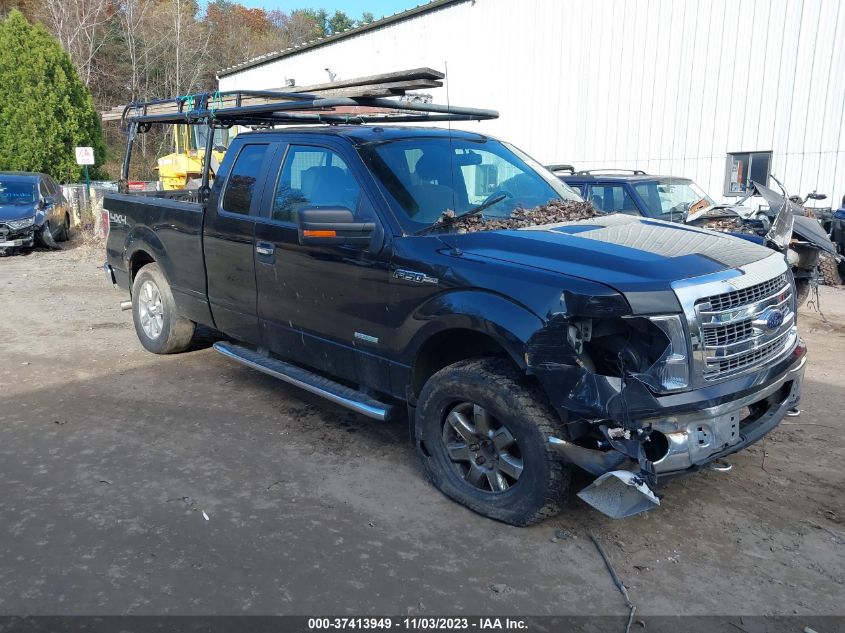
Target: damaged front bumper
694,440
9,239
686,438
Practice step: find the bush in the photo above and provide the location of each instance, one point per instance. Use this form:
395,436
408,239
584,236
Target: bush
46,110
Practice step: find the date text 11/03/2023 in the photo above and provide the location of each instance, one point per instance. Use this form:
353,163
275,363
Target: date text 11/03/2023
418,624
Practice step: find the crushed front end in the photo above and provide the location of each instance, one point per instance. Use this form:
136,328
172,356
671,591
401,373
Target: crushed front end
645,397
16,235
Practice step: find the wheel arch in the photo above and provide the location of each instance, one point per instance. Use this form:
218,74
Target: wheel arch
465,325
144,247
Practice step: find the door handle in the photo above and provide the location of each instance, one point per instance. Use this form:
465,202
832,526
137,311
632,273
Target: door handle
263,248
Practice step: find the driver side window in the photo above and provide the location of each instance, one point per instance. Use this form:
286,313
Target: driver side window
313,177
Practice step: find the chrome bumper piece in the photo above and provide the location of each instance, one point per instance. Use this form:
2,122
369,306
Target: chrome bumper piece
697,438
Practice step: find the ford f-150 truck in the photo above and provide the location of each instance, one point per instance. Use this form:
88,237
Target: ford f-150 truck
632,348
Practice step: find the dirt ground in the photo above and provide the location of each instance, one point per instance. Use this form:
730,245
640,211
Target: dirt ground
140,484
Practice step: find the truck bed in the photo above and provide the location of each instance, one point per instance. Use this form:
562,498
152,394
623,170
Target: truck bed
171,223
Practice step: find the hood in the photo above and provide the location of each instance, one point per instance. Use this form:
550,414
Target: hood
624,252
811,231
17,211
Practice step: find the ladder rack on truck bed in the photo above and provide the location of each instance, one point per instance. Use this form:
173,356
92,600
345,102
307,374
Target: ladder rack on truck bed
265,109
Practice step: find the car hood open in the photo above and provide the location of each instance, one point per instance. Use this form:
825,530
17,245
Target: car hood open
620,251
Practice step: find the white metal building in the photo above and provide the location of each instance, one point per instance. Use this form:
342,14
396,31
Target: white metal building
667,86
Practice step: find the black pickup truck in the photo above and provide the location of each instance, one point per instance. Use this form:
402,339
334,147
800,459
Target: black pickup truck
625,346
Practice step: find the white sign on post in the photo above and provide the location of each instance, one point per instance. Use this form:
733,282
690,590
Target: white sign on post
84,155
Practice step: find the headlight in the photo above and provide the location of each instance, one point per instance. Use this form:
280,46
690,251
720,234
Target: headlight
671,371
20,224
652,350
781,231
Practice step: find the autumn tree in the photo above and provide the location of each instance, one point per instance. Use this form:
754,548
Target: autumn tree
79,26
46,110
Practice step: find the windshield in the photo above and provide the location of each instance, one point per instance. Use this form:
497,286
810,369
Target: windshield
12,192
426,176
670,199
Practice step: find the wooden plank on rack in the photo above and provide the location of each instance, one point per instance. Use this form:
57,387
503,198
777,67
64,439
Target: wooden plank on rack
373,86
399,75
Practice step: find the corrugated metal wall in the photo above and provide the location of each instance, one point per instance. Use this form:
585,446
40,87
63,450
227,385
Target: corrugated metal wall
668,86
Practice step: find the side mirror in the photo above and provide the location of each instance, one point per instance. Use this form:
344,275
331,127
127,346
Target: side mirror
49,201
332,226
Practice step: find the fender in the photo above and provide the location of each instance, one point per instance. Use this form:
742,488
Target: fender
510,324
141,238
191,303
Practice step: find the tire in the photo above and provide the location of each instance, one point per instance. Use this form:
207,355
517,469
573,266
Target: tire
511,403
160,328
802,290
828,270
64,234
47,237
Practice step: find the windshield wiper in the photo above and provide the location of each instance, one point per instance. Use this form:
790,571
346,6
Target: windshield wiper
447,220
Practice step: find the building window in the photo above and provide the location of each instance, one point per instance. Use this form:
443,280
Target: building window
742,168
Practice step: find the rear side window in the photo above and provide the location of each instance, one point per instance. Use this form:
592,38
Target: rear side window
313,177
241,184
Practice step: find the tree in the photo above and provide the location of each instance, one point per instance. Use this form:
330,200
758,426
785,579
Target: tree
46,110
366,18
78,25
304,25
339,22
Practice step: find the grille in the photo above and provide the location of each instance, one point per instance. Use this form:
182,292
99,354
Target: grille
734,334
718,368
737,298
715,335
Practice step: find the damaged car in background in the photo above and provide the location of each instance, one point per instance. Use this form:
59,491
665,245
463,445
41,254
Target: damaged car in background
446,273
33,212
632,191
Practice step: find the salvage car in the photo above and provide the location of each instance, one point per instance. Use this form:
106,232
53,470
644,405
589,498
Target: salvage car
390,269
32,211
633,191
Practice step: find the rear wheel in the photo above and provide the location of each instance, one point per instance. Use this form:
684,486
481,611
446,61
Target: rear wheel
483,434
64,232
160,328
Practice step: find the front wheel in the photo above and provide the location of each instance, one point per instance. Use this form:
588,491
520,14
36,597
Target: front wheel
160,328
483,434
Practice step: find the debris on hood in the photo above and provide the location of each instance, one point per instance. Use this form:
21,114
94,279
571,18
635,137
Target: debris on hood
553,212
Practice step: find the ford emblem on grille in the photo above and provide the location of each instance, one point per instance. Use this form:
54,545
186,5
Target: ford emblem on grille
774,319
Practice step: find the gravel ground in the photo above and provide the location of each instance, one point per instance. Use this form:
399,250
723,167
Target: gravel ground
142,484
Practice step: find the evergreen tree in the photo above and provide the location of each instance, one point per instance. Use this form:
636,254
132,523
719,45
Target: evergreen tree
45,110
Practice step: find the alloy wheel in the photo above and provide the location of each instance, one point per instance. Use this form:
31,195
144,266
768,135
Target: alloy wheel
483,451
150,311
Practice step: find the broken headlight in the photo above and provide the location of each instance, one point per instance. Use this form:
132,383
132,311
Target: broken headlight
671,370
652,350
20,224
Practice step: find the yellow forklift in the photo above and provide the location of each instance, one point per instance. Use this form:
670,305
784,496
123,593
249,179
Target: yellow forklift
183,168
